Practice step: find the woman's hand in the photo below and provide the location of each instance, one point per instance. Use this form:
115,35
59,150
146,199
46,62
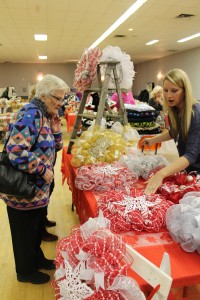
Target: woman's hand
159,100
154,183
147,142
48,176
56,124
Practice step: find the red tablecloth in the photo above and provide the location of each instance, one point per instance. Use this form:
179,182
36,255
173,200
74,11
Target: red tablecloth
70,119
185,267
84,201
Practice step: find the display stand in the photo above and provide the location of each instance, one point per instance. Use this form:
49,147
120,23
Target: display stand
103,105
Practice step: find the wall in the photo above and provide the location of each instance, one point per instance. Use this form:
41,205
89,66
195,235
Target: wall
20,76
189,61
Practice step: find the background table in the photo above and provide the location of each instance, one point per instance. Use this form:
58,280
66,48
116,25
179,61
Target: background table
185,267
70,119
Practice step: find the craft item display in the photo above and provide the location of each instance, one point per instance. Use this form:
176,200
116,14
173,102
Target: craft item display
86,71
104,177
92,264
91,109
125,68
174,187
127,212
97,145
143,118
183,222
143,165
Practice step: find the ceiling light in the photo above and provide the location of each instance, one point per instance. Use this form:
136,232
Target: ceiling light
133,8
152,42
130,29
40,37
189,38
42,57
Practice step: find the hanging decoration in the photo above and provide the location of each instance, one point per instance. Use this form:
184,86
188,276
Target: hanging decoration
125,68
86,71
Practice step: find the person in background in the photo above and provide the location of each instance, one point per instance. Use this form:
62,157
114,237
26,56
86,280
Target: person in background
184,120
5,108
143,96
156,100
46,236
5,93
127,98
79,96
33,138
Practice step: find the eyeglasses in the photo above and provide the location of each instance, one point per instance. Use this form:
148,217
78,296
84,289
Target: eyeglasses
59,100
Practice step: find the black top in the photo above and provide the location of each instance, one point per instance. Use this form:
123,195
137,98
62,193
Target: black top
155,104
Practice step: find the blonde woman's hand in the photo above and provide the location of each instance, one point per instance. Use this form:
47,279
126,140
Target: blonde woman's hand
147,142
153,184
48,176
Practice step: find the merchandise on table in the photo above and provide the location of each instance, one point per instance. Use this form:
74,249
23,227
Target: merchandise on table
102,145
143,165
174,187
92,263
183,222
143,118
105,177
128,212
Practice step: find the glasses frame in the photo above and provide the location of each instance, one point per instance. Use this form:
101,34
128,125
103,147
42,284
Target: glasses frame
59,100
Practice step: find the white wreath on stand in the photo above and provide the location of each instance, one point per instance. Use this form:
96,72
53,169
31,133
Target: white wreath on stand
125,68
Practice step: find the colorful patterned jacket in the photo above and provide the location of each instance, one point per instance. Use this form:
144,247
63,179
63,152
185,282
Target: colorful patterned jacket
28,129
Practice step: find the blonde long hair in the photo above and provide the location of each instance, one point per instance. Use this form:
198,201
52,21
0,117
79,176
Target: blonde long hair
156,89
179,78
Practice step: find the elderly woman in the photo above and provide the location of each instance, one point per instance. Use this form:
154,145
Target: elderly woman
33,137
156,100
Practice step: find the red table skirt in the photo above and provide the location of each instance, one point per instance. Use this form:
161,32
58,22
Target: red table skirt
185,267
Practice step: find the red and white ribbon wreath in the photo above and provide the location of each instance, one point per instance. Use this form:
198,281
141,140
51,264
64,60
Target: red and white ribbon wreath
86,70
94,267
104,177
146,212
174,187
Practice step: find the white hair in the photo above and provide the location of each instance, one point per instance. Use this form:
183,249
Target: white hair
49,84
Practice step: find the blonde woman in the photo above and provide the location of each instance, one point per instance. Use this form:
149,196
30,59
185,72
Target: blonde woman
184,118
156,100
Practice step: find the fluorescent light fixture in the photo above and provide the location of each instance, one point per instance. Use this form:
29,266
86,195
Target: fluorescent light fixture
133,8
152,42
42,57
130,29
189,38
40,37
